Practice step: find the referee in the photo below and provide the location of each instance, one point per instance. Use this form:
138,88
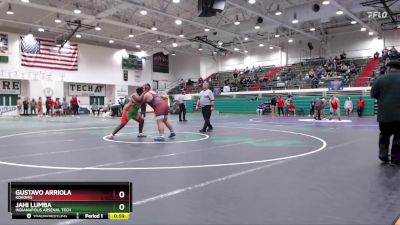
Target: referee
182,107
206,102
386,90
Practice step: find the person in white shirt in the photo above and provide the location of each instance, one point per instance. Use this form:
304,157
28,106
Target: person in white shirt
182,107
206,102
348,106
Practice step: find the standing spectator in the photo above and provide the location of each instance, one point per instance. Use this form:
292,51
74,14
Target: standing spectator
206,102
64,106
287,105
343,55
75,105
281,104
235,74
40,107
25,103
273,105
19,105
348,106
312,107
95,108
386,90
49,106
33,107
57,107
360,106
182,107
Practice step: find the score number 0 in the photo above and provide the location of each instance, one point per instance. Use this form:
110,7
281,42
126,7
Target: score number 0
121,195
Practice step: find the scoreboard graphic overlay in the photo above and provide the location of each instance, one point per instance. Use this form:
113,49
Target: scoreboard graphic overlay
70,200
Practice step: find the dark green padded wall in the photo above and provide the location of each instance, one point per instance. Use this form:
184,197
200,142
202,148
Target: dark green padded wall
242,105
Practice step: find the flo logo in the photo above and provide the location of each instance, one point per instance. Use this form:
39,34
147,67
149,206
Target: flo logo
377,15
7,109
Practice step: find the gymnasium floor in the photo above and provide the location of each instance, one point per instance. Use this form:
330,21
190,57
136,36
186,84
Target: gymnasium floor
249,170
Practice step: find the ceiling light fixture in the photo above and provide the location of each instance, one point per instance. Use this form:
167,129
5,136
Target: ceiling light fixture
178,22
370,33
154,28
326,2
278,11
57,19
245,51
143,12
363,29
261,45
9,10
271,47
98,28
246,38
252,1
176,1
220,43
295,20
77,10
137,46
206,29
174,44
78,36
25,1
236,49
339,12
237,22
290,40
312,29
40,29
353,22
257,27
131,35
277,35
111,41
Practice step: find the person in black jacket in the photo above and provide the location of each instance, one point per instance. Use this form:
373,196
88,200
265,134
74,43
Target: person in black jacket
273,104
386,90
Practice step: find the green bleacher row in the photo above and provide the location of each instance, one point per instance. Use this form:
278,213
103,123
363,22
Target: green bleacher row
244,105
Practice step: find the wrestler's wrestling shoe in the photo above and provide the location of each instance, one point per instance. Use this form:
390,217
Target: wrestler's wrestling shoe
159,138
141,135
111,137
173,134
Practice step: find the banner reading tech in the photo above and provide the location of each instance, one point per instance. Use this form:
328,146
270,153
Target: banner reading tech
86,89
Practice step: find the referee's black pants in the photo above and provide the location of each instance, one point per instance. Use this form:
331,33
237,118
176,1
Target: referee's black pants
389,129
182,111
206,111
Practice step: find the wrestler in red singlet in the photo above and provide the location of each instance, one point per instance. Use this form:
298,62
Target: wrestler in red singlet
334,107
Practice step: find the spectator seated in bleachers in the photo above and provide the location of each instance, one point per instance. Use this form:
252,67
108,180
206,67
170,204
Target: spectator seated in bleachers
200,82
343,56
235,74
376,55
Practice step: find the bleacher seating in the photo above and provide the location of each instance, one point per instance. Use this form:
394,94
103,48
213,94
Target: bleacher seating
271,78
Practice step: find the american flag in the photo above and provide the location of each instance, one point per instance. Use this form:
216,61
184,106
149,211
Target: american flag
42,53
